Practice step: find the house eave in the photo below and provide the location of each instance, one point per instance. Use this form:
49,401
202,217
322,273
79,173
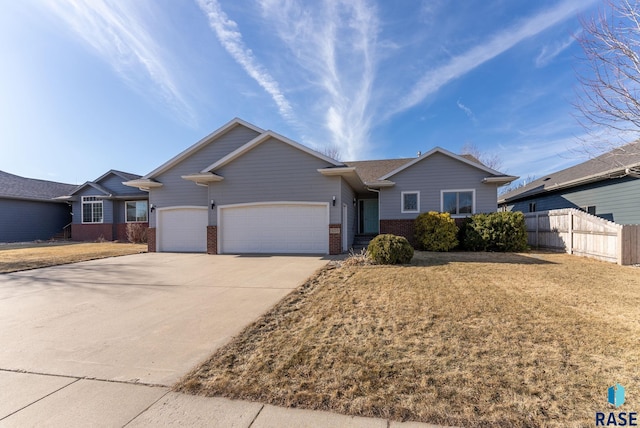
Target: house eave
379,184
203,179
348,173
499,180
144,184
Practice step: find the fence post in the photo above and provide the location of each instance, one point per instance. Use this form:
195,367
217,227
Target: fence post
537,230
621,247
570,232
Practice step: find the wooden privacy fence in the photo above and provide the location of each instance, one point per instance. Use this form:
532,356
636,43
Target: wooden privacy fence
577,232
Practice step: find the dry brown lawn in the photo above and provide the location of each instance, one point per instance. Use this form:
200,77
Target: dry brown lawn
13,258
505,340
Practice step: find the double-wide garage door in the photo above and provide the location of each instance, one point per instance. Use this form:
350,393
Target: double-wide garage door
289,228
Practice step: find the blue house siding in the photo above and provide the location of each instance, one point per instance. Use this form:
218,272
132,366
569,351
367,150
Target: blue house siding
107,206
22,220
113,183
616,200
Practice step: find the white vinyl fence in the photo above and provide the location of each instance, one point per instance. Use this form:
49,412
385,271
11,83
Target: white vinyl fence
577,232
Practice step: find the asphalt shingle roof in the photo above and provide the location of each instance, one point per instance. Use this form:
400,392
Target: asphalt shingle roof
608,165
369,171
14,186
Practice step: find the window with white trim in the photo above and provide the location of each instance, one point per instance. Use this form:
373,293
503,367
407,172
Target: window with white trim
92,211
136,212
410,202
458,202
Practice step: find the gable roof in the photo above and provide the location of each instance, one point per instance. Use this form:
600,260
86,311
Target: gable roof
261,139
619,162
431,152
16,187
371,170
127,176
200,144
124,175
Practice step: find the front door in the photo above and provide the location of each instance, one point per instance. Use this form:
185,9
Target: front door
369,216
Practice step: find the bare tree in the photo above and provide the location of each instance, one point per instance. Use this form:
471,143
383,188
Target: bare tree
609,98
332,152
516,184
493,161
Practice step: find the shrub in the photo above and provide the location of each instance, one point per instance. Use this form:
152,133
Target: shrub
360,258
137,233
390,249
501,231
436,231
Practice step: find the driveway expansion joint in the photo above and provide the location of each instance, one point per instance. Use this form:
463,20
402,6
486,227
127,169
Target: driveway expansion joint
152,385
147,408
41,398
256,416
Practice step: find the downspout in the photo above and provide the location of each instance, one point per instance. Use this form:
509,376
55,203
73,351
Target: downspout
378,192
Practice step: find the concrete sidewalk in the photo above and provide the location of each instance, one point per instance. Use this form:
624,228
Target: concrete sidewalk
36,400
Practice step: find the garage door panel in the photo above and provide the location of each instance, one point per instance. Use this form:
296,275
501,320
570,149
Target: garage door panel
183,229
275,228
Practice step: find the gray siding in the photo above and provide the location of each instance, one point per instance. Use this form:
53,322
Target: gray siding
114,183
430,176
616,200
179,192
347,195
107,206
30,220
275,171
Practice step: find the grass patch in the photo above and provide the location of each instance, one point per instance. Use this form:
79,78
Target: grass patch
456,339
14,259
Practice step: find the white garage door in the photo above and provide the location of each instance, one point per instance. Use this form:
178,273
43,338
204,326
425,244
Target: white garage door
182,229
289,228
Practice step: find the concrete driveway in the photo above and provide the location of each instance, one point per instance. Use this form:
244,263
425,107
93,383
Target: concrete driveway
146,318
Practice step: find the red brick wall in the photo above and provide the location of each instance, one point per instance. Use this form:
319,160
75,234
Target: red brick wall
404,228
151,239
212,239
92,232
335,239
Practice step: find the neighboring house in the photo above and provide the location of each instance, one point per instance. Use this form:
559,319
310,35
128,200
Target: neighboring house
246,190
29,209
607,186
102,208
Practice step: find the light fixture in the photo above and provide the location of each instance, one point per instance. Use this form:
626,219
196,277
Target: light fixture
213,203
354,201
152,207
334,200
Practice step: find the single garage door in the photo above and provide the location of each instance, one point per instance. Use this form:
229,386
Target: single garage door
182,229
288,228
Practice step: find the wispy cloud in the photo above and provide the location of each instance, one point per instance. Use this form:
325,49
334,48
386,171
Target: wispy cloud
336,47
119,36
474,57
467,111
231,39
549,52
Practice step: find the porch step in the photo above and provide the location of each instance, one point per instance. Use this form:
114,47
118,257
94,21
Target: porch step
362,241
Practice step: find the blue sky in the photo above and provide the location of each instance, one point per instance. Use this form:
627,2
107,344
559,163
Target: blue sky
90,85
